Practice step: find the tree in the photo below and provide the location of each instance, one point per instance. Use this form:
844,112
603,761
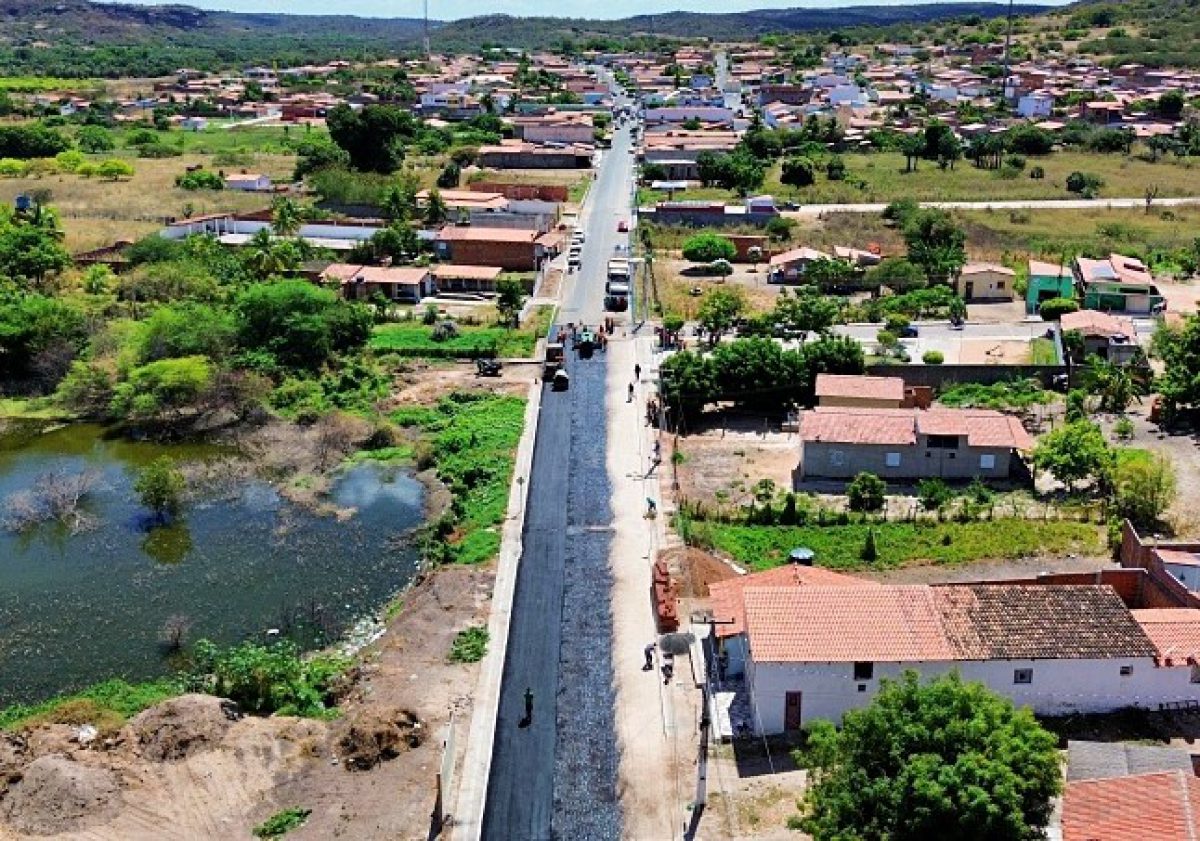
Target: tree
1170,104
805,311
160,486
114,169
1116,385
934,494
185,329
399,202
778,228
1161,144
95,139
1144,486
949,150
509,300
897,274
944,759
719,311
436,212
865,492
936,244
707,247
1075,452
798,172
689,383
161,388
1179,350
374,137
1084,183
39,338
758,373
286,217
830,273
913,146
1028,139
835,168
299,324
450,175
29,253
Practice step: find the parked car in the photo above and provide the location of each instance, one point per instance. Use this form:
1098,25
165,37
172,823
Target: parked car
623,226
908,331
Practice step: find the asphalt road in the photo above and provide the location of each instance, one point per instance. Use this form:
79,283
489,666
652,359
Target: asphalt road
555,776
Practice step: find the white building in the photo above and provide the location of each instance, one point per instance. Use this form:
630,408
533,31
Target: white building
816,652
1035,105
251,182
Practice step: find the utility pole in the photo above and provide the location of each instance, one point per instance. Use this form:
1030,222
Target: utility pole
426,38
1007,57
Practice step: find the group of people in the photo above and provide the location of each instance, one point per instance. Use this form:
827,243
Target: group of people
668,666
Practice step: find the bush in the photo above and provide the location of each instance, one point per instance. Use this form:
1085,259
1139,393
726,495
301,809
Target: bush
200,179
267,679
934,494
708,248
282,823
159,150
1055,308
865,492
470,644
933,357
1037,173
1085,184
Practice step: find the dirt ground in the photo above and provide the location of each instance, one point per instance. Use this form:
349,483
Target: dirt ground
677,290
184,770
721,465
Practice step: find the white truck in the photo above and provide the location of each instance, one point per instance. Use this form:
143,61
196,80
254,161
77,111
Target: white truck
616,287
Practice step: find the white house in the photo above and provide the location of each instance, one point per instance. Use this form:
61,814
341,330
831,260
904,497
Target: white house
816,652
848,95
251,182
1035,105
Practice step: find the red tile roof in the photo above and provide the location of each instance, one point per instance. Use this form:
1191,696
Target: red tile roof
1094,323
727,596
1175,632
1147,807
400,275
854,425
893,624
451,233
866,388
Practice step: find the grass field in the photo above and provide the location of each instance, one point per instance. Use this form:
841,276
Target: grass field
885,180
42,84
900,544
412,338
217,138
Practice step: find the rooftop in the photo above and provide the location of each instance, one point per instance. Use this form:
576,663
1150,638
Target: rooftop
1161,806
1175,633
1103,760
1095,323
863,387
854,425
727,596
912,623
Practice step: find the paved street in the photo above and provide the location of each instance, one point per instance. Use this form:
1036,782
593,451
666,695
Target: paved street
556,775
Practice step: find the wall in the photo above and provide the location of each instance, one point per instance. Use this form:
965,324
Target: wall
864,402
513,256
916,462
937,376
1166,588
1058,687
517,192
985,286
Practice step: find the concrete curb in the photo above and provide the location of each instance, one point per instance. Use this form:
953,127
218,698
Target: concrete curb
477,762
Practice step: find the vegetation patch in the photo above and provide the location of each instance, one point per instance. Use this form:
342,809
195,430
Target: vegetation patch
105,705
281,823
901,544
470,644
414,339
1004,396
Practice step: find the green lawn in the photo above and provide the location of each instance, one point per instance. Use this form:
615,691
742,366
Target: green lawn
1043,352
274,140
412,338
900,544
883,179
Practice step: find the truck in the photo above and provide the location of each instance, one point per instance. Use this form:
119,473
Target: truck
617,287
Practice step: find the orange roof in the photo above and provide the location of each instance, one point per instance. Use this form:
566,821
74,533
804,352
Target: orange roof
1146,807
451,233
400,275
728,606
855,425
457,272
867,388
1175,632
1095,323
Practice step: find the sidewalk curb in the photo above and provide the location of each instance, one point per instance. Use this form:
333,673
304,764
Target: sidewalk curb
477,761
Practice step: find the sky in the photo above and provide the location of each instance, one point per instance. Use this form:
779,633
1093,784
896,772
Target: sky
453,9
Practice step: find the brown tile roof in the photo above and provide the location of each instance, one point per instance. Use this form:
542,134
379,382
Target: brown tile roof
457,272
1175,633
851,385
452,233
728,605
1094,323
845,425
1148,807
953,622
401,275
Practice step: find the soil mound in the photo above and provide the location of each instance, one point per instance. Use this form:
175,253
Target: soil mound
695,569
372,736
13,756
56,794
182,726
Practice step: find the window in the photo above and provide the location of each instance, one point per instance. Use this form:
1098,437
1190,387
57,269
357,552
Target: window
862,687
892,459
987,461
837,458
1000,286
864,671
1022,675
1126,671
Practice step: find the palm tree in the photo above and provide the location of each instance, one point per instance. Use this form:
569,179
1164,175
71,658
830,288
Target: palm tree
286,217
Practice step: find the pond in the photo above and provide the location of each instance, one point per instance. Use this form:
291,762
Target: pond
80,606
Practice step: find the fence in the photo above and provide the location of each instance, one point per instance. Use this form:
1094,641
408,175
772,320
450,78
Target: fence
939,376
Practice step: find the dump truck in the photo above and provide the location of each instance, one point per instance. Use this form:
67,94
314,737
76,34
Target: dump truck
616,288
554,353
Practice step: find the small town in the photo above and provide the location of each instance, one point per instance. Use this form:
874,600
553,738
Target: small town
674,422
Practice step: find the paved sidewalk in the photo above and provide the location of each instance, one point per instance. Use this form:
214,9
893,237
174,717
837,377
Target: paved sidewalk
655,731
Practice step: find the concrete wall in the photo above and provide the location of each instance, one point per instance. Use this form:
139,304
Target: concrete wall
986,286
862,402
1058,686
937,376
825,460
1167,589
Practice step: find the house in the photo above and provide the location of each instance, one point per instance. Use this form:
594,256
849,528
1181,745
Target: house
985,282
1118,283
1035,105
789,267
456,278
1046,281
817,652
251,182
1110,337
519,154
1163,806
396,283
852,390
728,606
906,444
514,249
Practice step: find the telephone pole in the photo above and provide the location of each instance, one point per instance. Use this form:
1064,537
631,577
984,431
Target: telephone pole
425,41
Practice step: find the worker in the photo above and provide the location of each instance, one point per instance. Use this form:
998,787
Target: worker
649,652
630,400
528,704
637,372
651,507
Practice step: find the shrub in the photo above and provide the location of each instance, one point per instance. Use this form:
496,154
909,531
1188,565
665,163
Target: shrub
1037,173
1055,308
200,179
267,678
708,248
933,357
282,823
865,492
470,644
870,552
1123,429
159,150
114,169
1084,183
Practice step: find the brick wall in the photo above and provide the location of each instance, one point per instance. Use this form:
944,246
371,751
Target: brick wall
516,192
1167,591
512,256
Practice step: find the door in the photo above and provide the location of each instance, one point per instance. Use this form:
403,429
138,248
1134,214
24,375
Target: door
969,292
791,711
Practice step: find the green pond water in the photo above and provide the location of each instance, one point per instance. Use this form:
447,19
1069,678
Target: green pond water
83,607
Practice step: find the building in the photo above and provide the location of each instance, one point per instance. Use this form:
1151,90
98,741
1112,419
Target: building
817,652
789,267
1035,105
396,283
1046,281
985,282
1163,806
1117,284
852,390
518,154
455,278
908,444
251,182
728,606
1110,337
513,249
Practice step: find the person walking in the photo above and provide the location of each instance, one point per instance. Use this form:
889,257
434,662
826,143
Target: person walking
649,652
528,704
637,373
630,400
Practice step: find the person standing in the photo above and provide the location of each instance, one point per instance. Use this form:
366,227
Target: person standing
637,372
528,704
649,652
